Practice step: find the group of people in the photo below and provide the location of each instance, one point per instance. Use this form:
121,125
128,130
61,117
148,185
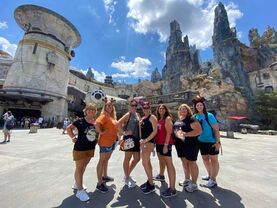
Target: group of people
190,133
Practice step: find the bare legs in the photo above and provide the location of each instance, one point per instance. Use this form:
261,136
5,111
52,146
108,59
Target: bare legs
129,166
79,171
146,152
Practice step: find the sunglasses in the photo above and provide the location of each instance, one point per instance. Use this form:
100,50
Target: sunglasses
145,108
133,105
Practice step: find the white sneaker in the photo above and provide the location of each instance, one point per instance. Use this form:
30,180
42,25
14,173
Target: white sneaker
82,195
205,178
191,187
133,180
185,182
211,183
74,186
130,182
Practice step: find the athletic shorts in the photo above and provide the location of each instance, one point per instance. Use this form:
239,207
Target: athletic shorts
159,149
207,149
189,151
107,149
79,155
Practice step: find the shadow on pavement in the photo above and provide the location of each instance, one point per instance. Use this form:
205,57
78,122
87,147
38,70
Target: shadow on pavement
97,199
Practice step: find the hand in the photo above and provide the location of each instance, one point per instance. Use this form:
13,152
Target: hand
181,134
165,149
74,139
141,141
217,146
127,133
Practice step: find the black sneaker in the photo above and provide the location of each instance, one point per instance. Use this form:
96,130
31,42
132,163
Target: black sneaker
102,188
107,179
159,178
168,193
143,186
149,189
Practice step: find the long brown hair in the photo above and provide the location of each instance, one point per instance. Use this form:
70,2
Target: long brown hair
167,113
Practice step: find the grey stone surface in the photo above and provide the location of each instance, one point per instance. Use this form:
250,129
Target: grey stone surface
37,171
156,76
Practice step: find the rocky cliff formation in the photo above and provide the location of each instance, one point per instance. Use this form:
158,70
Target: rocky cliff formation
179,60
90,74
156,76
226,51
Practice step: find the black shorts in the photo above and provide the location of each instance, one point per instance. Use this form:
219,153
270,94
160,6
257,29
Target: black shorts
136,148
159,149
207,148
189,151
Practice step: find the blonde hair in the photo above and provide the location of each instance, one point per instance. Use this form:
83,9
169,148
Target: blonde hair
113,113
188,109
88,107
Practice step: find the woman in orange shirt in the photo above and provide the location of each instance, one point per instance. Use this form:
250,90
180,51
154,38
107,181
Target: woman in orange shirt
106,126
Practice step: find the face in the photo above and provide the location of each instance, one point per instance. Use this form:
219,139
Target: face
109,107
133,105
91,112
199,106
161,110
183,111
146,109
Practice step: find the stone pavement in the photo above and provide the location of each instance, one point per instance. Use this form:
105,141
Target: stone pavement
36,170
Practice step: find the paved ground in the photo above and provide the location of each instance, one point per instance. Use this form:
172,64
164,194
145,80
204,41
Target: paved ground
36,170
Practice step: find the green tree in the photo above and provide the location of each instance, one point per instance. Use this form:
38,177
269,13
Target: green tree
266,106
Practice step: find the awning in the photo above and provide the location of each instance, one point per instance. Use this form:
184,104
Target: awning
237,117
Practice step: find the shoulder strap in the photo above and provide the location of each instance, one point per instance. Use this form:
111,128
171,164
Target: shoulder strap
125,127
207,119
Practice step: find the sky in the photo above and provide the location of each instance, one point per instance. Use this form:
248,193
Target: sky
128,38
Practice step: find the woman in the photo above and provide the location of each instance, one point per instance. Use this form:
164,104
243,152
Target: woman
84,146
129,126
106,126
8,125
164,141
148,125
186,130
209,140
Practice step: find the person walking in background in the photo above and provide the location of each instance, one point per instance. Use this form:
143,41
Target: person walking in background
186,130
66,122
129,126
164,142
148,132
209,140
8,125
106,126
84,146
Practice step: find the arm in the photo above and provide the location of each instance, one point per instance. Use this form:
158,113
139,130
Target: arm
69,130
122,122
196,130
217,136
168,128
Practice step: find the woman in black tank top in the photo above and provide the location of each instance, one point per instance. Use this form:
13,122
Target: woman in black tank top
148,126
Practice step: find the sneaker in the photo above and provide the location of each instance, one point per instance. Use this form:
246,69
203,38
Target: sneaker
102,188
206,177
107,179
82,195
211,183
159,178
143,186
74,186
185,183
168,193
133,180
191,187
130,183
149,189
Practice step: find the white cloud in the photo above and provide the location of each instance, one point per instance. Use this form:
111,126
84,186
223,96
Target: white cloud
195,19
7,46
3,25
99,76
137,68
110,9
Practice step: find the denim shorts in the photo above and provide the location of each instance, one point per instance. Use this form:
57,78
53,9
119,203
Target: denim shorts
107,149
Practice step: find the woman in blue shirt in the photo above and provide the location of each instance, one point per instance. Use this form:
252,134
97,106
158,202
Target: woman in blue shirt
209,140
